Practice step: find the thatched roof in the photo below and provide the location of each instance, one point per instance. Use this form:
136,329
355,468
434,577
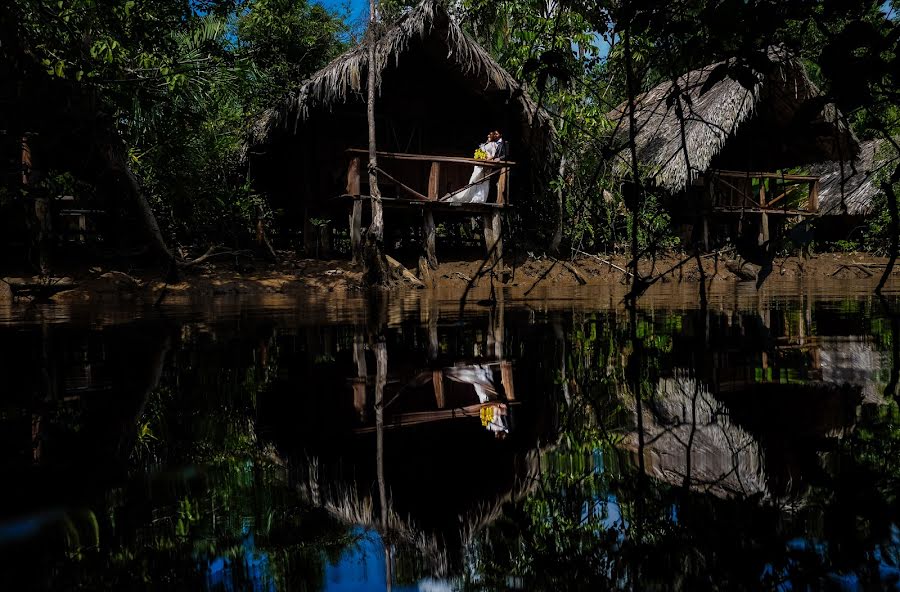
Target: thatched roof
672,155
850,187
345,77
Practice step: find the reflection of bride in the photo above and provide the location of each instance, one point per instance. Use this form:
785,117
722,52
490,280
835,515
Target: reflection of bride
477,189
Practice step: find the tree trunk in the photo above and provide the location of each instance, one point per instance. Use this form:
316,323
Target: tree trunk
377,271
561,204
115,162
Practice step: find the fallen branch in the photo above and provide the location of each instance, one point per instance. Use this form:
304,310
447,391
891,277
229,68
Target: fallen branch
602,260
579,277
209,254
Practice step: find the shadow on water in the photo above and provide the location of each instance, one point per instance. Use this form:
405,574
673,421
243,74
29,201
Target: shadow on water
522,445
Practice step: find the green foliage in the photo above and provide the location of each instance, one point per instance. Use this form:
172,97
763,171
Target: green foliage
181,81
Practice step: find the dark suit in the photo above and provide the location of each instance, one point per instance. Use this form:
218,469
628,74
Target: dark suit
502,150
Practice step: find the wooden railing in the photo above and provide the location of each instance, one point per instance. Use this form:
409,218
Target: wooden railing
437,165
734,190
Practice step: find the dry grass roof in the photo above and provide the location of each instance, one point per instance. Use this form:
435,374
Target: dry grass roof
674,151
849,188
346,76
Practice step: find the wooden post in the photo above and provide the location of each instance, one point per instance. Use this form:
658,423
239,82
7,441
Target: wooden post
814,197
434,187
491,229
353,176
430,237
437,379
434,181
763,217
503,186
506,379
353,188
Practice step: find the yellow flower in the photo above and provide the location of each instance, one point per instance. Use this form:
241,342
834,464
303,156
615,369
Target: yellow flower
480,154
487,415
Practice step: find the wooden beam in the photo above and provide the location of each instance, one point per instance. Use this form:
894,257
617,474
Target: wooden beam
435,158
437,206
813,205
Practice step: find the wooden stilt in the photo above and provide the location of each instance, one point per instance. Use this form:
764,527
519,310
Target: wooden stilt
763,217
705,231
353,188
430,238
492,231
356,231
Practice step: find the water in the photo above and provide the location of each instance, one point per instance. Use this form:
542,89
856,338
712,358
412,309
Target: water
541,444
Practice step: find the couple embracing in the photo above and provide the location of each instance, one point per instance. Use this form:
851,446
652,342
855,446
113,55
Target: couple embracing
494,148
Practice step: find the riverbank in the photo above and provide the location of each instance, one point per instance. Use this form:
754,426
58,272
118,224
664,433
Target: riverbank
293,275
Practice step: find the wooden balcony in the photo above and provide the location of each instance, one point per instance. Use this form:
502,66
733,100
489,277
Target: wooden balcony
428,182
763,193
425,177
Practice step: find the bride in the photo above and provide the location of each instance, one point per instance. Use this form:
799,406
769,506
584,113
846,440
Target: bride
479,186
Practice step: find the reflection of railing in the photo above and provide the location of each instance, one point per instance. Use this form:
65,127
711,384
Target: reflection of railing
739,191
437,169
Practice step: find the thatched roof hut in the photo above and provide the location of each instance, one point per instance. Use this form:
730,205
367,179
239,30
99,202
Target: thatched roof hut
850,187
439,93
774,124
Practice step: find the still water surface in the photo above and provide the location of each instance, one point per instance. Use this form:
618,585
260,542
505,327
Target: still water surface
746,444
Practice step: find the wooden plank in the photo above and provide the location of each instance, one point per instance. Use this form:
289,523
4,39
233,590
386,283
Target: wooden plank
436,158
430,238
353,176
434,181
813,205
437,206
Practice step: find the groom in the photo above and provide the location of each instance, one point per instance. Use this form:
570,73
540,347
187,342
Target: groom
502,152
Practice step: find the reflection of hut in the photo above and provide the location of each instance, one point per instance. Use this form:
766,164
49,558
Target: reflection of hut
720,147
689,439
439,93
848,190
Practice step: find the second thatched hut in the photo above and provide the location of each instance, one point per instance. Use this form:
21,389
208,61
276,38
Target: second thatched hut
722,144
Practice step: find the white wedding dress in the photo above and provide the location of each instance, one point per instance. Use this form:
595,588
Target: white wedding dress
477,189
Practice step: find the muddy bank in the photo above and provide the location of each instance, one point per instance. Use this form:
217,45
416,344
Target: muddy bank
293,276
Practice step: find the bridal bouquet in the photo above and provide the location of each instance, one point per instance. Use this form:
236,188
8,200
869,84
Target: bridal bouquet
480,155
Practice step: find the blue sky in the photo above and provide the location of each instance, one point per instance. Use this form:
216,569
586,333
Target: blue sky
358,9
